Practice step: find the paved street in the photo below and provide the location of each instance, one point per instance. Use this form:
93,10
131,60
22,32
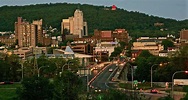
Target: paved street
101,82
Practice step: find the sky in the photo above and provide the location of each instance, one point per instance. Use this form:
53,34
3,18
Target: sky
173,9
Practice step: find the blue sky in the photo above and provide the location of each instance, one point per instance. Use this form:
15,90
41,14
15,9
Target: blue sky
174,9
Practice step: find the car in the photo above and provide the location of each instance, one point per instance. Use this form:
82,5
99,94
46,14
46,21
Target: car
110,70
154,91
6,82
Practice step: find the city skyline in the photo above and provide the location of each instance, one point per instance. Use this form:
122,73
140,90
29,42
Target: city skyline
173,9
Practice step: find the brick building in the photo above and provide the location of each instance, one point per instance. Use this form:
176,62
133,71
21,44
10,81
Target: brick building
183,35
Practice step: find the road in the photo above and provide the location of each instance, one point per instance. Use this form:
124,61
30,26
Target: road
101,82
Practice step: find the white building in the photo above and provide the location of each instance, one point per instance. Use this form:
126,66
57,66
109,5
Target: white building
75,25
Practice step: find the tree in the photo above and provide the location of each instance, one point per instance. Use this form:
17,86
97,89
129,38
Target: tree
144,63
1,44
67,86
185,89
39,45
180,58
74,64
113,94
122,45
36,88
5,69
167,43
66,31
116,52
145,54
166,98
142,71
13,63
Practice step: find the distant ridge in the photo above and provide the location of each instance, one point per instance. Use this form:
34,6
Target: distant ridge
137,24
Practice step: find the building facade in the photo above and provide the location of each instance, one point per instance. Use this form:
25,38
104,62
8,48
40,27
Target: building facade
183,35
75,25
7,40
28,34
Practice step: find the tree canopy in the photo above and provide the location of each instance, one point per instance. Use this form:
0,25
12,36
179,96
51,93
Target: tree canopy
167,43
98,17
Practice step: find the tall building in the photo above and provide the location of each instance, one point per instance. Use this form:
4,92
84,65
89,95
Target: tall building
183,35
78,23
38,33
75,25
28,34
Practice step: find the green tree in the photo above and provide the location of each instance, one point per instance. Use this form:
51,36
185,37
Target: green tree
36,88
138,24
122,45
1,44
161,66
180,58
117,51
167,43
167,98
145,54
39,45
142,71
67,86
113,94
164,70
58,62
5,69
13,63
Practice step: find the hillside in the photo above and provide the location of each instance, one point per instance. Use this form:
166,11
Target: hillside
97,17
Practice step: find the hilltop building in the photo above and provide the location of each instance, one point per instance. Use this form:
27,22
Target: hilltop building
114,7
74,25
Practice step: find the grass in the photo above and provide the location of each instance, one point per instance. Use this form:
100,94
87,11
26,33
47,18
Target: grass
8,91
7,94
145,85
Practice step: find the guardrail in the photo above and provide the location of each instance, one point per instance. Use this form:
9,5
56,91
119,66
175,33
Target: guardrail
89,83
116,76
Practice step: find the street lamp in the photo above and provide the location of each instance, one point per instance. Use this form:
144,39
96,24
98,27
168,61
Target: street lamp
132,74
66,64
152,74
63,66
173,81
69,64
22,67
39,70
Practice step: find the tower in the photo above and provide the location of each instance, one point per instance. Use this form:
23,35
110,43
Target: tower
75,25
28,34
78,23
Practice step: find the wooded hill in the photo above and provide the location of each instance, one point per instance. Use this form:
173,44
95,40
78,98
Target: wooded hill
97,17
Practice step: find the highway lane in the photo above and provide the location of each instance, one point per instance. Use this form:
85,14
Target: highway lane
102,80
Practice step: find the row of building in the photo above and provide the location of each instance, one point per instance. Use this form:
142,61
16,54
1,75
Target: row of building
154,46
28,36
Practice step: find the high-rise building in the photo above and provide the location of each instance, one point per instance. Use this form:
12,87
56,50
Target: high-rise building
28,34
75,25
78,23
184,35
38,33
